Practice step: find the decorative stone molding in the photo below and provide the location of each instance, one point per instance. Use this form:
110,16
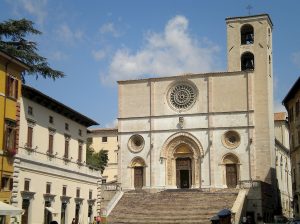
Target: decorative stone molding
137,162
136,143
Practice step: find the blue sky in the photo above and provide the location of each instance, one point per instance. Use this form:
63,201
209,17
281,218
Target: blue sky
98,42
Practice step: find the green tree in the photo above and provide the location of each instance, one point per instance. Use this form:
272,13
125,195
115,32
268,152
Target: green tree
13,41
99,159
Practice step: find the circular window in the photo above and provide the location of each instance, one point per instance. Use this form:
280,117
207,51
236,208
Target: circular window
182,96
136,143
231,139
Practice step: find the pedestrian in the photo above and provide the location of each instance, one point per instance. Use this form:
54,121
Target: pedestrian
73,221
95,220
98,219
53,222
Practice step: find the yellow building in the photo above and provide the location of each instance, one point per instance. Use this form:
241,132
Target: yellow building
10,92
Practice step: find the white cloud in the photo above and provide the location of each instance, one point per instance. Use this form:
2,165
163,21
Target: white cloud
36,8
58,56
113,124
109,28
68,35
171,52
296,58
99,55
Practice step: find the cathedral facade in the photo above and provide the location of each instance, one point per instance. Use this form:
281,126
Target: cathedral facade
207,131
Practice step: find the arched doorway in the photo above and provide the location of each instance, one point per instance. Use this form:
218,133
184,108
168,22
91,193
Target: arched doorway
138,165
231,170
181,154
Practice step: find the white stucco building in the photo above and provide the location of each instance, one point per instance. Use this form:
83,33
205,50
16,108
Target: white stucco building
212,130
51,178
283,163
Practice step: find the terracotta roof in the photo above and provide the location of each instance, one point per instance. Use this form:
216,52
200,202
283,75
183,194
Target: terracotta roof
281,116
101,130
56,106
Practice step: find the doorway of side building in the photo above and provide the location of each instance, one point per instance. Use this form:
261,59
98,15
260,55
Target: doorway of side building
231,169
138,177
138,166
183,172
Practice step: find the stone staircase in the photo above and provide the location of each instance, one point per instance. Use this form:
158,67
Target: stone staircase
171,206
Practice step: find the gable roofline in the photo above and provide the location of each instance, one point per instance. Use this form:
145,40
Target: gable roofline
293,90
14,60
56,106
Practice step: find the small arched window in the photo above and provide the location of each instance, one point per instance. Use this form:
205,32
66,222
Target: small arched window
247,61
247,34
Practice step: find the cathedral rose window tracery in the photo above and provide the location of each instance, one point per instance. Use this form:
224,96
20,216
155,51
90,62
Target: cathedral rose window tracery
182,96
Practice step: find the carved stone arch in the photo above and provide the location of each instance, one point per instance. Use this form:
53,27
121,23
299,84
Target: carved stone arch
176,139
137,162
171,152
231,164
230,158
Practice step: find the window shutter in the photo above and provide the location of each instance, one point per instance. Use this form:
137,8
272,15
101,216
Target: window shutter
16,88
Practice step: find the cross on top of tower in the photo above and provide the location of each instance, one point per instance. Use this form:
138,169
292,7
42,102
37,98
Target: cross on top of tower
249,7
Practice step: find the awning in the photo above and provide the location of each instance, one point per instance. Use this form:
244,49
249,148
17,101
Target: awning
6,209
52,210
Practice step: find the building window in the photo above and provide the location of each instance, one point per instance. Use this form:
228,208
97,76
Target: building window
66,126
77,192
6,183
247,61
247,34
26,184
90,194
30,110
67,141
10,136
29,136
48,188
11,87
80,132
103,181
104,139
64,190
80,143
50,148
51,120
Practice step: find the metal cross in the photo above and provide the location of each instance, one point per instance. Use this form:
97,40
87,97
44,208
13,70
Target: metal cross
249,7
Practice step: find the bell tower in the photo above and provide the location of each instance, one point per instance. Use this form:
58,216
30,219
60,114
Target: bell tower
249,49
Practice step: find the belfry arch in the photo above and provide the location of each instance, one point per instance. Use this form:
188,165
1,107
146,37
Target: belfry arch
182,150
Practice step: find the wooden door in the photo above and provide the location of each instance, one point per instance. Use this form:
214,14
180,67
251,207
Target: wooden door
231,175
138,177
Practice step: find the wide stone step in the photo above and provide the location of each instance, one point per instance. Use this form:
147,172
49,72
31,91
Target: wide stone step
170,207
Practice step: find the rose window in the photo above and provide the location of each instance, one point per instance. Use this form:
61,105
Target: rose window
182,96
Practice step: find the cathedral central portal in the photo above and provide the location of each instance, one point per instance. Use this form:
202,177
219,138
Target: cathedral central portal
182,153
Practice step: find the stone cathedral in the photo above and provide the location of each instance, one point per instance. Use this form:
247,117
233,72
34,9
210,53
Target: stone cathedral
205,131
